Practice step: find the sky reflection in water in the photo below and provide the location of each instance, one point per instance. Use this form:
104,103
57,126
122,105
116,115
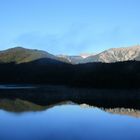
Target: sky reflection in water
67,122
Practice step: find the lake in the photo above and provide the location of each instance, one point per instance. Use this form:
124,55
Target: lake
57,112
67,122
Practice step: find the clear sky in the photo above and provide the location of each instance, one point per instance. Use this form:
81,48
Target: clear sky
69,26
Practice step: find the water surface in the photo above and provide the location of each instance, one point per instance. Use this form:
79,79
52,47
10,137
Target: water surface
68,122
16,86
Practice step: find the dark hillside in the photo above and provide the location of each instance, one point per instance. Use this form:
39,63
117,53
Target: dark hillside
50,71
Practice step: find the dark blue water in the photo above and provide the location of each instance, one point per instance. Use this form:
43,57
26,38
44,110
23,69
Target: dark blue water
68,122
15,86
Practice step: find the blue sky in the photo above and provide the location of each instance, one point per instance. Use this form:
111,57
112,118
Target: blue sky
69,26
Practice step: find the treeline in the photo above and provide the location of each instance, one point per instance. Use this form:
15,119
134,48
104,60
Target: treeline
97,75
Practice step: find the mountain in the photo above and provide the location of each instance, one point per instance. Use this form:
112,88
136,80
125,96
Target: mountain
71,59
85,55
19,105
22,55
115,55
75,59
107,56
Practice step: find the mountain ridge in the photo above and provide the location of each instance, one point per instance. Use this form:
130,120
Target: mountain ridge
116,55
20,55
23,55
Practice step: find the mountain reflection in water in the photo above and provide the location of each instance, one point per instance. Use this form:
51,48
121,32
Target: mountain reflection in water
19,106
24,120
45,95
68,113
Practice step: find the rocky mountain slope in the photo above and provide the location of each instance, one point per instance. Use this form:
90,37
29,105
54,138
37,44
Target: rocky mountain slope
115,55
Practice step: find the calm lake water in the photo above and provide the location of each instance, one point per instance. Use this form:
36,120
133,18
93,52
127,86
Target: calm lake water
68,122
15,86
